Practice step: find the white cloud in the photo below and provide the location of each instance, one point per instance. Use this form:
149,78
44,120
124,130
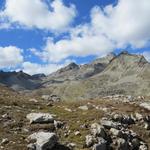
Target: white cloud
126,23
37,13
83,41
10,56
110,28
34,68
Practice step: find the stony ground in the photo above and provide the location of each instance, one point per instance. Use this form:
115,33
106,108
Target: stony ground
76,117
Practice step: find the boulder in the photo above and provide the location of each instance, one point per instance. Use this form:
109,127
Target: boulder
83,107
115,132
98,130
40,118
101,145
110,124
44,140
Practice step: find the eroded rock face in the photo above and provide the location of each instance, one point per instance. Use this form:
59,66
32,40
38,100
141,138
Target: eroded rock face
44,140
40,118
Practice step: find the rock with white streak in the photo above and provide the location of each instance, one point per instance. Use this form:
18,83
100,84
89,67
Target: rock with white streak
40,118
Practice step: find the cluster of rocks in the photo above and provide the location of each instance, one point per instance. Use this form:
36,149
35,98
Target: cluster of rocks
124,98
114,133
43,140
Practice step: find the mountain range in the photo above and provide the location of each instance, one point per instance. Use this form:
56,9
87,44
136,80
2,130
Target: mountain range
125,73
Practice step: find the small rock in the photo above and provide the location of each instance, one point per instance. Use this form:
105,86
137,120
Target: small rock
147,126
77,133
4,141
83,107
67,109
116,132
58,124
71,145
33,100
138,116
143,147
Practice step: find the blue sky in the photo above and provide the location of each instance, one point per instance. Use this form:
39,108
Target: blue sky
44,35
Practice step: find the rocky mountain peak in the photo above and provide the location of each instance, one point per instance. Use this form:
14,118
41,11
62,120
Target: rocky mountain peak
71,66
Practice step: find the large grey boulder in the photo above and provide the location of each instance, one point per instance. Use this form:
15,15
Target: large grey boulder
44,140
116,132
40,118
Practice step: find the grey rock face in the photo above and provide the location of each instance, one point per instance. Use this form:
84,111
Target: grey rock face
40,118
98,130
44,140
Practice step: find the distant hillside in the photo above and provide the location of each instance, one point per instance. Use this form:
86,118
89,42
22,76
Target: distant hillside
19,80
125,73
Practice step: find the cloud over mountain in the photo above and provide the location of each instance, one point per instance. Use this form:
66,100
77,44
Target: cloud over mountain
10,56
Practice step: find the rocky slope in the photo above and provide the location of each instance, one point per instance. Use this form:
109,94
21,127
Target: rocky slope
33,123
125,74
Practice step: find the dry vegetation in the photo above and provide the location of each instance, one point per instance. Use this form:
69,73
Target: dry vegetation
18,106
